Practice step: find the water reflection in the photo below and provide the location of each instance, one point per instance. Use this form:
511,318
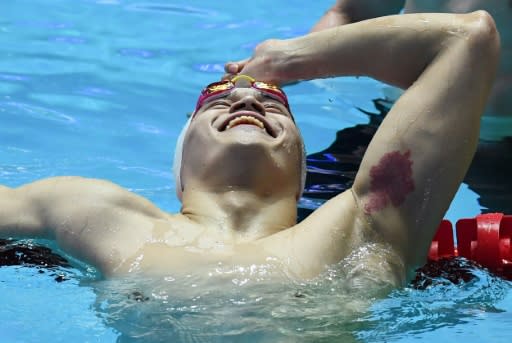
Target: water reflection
411,313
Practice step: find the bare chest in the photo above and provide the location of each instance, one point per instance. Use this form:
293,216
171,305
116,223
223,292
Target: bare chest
169,250
216,261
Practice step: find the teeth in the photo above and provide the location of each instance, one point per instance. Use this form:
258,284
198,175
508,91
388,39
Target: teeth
245,120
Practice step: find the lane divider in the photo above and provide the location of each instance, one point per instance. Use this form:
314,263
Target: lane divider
485,239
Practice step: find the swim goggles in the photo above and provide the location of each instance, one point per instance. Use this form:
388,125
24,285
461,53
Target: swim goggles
219,89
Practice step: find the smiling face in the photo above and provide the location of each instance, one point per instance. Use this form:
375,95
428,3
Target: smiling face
244,139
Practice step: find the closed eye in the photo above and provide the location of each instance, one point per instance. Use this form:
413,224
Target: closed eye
274,105
219,103
278,108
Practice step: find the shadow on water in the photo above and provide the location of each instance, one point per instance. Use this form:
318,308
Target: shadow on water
333,170
15,253
490,175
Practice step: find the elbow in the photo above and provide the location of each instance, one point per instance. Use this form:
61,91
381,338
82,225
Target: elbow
484,37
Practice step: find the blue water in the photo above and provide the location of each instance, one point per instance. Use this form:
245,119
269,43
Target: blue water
101,89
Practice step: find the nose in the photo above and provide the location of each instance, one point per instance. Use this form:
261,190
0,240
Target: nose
249,103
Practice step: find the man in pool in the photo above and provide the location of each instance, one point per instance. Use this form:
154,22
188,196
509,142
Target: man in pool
241,165
499,106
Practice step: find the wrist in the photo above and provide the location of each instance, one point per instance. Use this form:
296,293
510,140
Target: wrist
275,58
289,61
298,59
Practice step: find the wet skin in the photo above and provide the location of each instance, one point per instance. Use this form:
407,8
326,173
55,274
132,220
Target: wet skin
240,154
241,182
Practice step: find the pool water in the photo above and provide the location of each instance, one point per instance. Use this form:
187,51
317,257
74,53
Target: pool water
101,89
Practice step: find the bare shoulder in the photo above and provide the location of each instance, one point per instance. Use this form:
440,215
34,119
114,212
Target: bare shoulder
94,220
327,236
45,207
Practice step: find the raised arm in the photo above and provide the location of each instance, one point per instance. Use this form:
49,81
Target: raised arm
351,11
418,157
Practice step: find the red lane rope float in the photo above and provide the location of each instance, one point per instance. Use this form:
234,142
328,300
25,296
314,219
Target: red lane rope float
485,239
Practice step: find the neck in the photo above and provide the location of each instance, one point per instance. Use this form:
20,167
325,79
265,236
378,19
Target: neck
240,216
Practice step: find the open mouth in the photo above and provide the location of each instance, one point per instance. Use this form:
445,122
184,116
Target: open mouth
247,119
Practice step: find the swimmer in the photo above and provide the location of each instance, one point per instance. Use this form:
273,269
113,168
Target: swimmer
497,122
240,167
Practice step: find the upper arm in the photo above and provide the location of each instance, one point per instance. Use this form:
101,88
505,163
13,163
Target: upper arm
418,157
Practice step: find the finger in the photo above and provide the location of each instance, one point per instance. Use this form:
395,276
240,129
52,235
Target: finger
231,68
235,67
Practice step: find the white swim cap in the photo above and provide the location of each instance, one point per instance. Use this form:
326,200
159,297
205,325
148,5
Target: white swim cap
178,156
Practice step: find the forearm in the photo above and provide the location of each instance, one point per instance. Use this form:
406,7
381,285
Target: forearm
351,11
403,46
